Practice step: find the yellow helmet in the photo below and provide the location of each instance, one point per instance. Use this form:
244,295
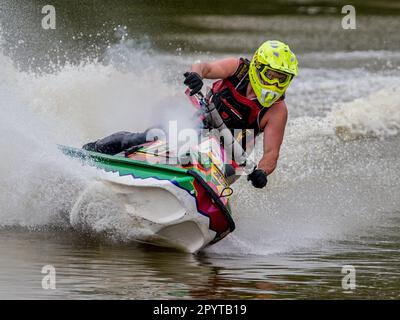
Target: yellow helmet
271,57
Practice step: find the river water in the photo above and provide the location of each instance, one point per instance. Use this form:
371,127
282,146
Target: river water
117,65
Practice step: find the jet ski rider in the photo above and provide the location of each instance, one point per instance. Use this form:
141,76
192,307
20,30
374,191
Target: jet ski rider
251,95
248,95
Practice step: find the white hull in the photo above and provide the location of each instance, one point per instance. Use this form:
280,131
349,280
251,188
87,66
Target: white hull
144,210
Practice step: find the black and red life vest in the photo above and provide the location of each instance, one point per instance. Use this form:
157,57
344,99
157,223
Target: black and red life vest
229,97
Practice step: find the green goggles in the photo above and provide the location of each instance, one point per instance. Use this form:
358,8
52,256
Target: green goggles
270,76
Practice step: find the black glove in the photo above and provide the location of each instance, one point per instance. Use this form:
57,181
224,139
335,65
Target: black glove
193,81
258,178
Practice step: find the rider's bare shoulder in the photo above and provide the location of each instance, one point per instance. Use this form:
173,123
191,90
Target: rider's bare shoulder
227,65
278,113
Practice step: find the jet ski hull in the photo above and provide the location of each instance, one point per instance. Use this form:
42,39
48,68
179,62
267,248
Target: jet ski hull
181,207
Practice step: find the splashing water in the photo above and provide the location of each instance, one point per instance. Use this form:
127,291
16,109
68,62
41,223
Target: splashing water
323,189
72,105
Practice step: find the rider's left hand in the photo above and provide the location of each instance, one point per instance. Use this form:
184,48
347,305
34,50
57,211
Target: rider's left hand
258,178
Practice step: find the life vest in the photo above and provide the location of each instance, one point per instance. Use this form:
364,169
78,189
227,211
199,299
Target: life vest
229,98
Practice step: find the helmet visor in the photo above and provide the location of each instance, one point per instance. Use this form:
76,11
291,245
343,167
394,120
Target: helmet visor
269,76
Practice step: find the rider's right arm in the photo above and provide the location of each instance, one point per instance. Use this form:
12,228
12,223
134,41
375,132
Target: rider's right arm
219,69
